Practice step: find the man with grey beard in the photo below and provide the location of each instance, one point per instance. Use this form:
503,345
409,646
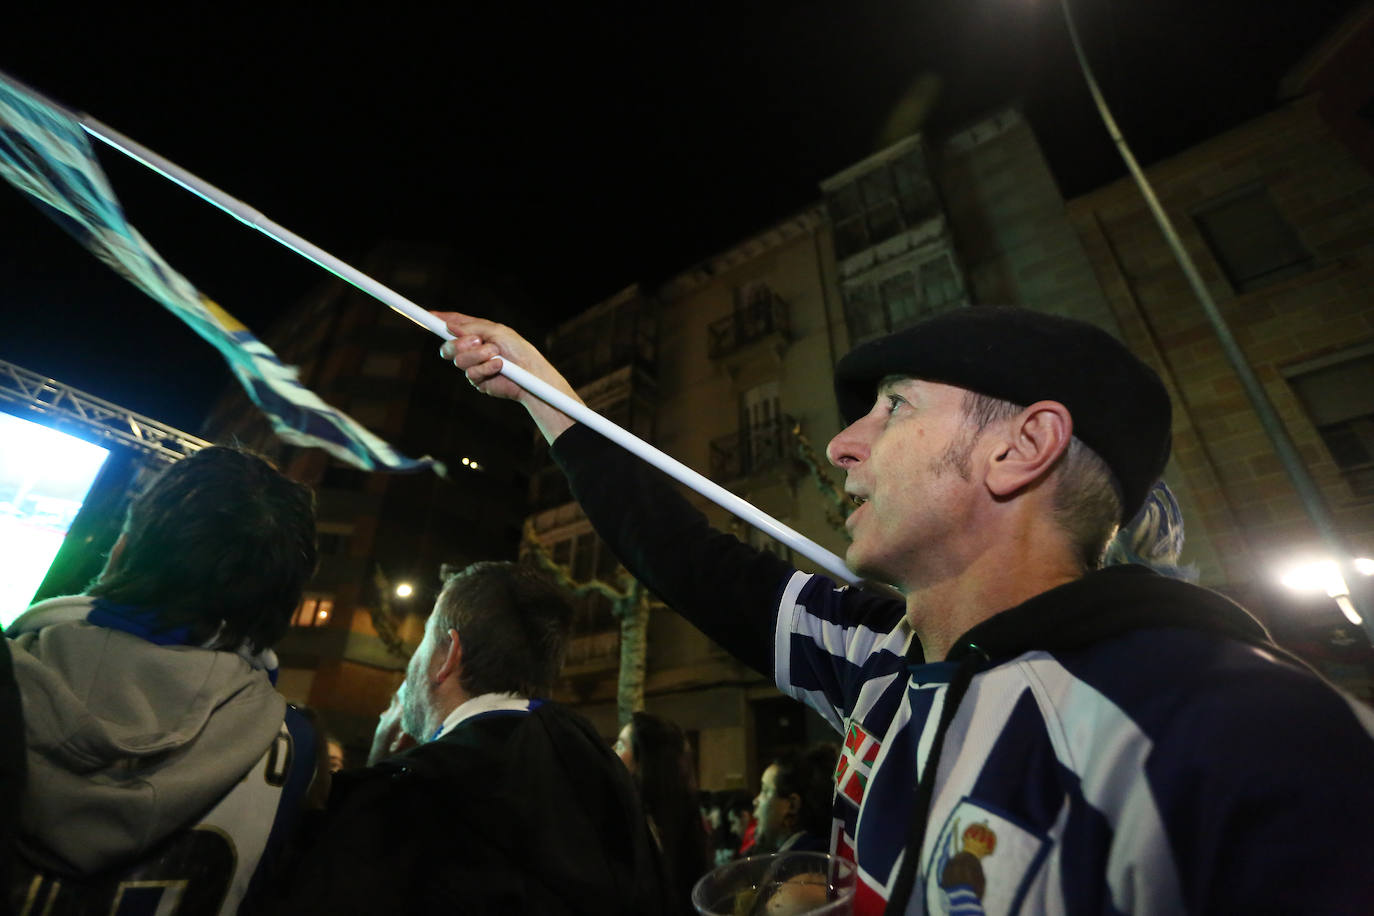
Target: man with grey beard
509,803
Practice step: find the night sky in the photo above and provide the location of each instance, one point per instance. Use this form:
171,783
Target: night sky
561,150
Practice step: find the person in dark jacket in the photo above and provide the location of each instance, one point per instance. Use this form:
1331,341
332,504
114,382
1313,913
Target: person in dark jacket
509,804
1023,730
654,750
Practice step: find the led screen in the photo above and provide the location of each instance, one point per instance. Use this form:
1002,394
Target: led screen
44,478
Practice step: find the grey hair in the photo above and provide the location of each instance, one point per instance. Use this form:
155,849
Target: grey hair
1087,498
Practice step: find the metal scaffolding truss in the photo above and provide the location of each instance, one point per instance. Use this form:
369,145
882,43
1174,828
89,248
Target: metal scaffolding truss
51,399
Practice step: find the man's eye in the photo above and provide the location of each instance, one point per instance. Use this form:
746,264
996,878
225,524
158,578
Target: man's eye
892,402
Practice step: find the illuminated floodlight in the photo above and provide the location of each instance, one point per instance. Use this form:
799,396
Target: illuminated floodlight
466,462
1315,576
45,476
404,590
1325,576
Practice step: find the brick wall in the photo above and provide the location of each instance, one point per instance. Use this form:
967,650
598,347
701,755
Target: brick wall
1245,501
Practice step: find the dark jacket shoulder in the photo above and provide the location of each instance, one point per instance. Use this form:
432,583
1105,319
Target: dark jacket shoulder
507,813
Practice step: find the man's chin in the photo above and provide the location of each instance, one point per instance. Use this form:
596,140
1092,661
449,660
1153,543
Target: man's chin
865,567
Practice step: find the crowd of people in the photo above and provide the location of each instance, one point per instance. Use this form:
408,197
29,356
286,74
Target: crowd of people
1022,730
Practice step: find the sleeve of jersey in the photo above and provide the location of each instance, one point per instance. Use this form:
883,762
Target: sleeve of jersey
1265,791
838,648
727,589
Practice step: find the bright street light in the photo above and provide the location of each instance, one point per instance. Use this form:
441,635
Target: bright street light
1325,576
404,590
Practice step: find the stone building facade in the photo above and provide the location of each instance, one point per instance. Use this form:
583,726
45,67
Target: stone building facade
746,342
1279,216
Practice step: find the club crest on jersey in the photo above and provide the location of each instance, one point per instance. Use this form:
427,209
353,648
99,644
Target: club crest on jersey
980,863
856,762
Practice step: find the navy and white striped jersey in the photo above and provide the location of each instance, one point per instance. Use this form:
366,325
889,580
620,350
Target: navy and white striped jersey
1127,743
1161,770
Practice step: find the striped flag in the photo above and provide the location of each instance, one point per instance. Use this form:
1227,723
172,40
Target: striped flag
45,153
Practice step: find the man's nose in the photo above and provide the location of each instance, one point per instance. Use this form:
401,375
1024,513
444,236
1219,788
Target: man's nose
849,447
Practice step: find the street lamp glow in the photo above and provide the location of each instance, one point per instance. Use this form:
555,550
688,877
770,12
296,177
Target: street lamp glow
1325,576
1316,576
404,590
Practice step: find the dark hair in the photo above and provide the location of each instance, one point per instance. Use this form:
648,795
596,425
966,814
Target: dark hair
810,775
513,624
668,788
219,542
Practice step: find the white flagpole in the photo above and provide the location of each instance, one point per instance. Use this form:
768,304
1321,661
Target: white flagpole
722,497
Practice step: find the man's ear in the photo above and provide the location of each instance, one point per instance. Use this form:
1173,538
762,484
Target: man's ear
451,658
1032,443
792,805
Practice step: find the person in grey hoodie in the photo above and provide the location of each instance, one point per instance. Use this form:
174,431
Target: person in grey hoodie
163,764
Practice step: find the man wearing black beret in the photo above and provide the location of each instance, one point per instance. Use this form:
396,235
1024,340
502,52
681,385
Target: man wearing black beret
1025,732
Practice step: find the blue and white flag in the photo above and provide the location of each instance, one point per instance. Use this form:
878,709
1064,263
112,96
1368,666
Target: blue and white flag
45,153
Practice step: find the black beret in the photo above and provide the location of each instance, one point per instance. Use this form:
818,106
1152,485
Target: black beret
1119,406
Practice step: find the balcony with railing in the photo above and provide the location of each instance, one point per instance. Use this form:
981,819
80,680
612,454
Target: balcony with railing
764,318
754,449
606,340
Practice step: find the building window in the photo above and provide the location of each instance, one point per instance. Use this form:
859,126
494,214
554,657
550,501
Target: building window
1339,397
586,557
1251,240
847,212
758,315
880,203
940,285
597,345
764,439
902,299
864,312
314,611
899,300
915,193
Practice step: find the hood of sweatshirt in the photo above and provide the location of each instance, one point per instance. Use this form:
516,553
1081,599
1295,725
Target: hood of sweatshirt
129,741
1107,603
